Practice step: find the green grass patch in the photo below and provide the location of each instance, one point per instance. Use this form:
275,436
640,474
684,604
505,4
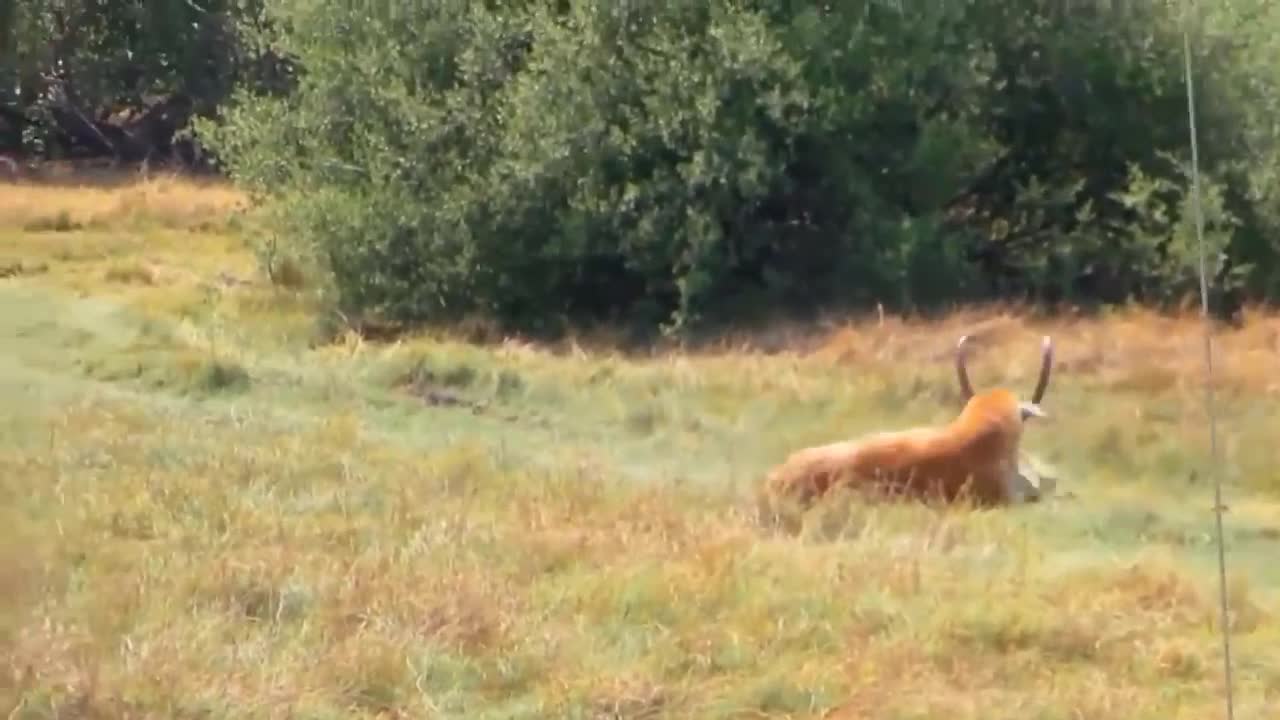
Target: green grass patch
210,514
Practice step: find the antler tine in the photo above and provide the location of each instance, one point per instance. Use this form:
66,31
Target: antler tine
966,388
1046,366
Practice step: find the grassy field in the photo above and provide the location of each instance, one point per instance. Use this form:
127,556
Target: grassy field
212,510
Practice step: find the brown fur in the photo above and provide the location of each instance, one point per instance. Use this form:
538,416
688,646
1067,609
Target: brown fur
975,454
974,457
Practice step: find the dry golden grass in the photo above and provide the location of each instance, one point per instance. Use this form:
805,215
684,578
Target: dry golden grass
211,515
1130,348
165,201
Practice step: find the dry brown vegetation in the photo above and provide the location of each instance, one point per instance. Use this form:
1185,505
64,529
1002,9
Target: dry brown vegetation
215,509
164,201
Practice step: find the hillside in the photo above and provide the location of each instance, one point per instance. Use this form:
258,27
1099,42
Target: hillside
219,510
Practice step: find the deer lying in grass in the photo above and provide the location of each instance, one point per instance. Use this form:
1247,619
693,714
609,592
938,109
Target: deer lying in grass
975,456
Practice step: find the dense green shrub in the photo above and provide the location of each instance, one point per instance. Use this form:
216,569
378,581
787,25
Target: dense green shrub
668,162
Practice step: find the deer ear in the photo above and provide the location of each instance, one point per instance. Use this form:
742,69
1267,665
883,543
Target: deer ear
1030,409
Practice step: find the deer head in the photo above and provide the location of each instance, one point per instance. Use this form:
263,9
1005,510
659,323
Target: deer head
1027,409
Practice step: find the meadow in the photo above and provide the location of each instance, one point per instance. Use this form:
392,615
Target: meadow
215,506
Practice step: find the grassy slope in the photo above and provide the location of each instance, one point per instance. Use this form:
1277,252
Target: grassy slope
208,517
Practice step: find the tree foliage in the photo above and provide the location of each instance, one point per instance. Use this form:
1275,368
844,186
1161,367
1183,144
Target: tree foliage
675,162
121,77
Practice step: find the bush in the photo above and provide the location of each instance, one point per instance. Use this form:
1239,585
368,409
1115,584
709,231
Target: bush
675,162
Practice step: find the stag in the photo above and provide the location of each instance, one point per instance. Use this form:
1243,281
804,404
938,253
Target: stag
973,457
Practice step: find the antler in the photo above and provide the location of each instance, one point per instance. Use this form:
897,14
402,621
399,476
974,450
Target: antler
1046,366
1042,384
966,388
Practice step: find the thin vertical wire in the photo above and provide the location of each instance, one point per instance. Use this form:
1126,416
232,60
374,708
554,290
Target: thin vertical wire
1208,360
